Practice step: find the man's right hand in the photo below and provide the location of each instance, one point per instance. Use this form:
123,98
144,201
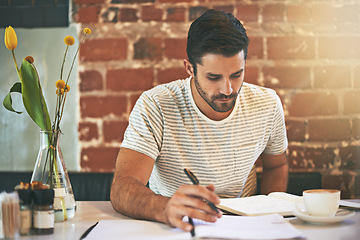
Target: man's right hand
188,200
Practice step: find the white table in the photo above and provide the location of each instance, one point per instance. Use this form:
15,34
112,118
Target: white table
88,213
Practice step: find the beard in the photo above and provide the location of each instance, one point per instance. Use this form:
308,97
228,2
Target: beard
211,100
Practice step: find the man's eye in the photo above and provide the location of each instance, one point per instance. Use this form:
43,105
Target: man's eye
215,78
236,76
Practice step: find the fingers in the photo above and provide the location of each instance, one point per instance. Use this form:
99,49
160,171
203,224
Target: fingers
201,192
189,201
211,187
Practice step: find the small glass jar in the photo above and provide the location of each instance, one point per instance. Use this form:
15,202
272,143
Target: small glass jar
25,196
43,211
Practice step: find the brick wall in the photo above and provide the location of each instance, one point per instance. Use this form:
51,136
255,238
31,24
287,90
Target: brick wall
307,50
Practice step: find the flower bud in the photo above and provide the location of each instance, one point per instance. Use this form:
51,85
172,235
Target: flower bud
67,88
10,38
60,84
87,31
30,59
59,91
69,40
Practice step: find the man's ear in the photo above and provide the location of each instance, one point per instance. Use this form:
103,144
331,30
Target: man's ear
188,67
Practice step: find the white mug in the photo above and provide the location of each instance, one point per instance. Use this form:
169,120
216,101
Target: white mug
321,202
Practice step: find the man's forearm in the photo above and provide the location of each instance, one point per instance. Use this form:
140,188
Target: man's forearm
131,198
274,179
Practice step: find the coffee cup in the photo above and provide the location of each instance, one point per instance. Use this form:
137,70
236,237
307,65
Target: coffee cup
321,202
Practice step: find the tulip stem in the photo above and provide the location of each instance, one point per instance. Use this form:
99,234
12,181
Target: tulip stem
17,69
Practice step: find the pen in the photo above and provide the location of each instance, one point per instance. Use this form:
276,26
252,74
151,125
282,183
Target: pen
195,181
192,231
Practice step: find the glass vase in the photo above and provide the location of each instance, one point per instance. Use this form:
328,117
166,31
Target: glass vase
50,170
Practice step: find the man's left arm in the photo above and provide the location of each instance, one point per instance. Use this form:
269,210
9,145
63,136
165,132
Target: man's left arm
274,177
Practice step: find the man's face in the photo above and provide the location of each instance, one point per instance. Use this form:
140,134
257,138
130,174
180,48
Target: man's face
219,79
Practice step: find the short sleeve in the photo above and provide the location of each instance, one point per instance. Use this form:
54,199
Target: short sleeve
145,129
278,142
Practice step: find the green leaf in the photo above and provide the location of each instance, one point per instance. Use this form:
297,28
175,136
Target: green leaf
8,100
32,95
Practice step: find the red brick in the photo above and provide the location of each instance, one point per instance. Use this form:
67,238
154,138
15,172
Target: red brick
128,15
99,107
99,159
357,77
88,131
175,48
256,48
151,13
356,129
133,99
171,74
138,79
248,13
227,8
110,15
339,47
251,75
332,77
174,1
291,48
114,130
88,14
295,130
329,130
287,77
348,13
310,158
323,13
273,13
295,155
298,13
350,156
90,81
351,102
175,14
313,104
132,1
89,1
319,157
148,48
104,49
195,12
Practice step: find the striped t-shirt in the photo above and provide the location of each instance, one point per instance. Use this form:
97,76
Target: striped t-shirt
167,126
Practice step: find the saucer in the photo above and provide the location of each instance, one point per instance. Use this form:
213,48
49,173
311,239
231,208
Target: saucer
339,216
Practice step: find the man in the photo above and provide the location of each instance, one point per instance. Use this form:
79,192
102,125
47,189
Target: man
212,123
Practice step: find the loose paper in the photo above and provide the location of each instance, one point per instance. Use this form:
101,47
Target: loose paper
271,226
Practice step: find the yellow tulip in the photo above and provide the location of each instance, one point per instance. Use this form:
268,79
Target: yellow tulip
10,38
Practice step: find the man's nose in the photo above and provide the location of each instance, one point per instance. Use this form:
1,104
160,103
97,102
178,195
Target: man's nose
226,87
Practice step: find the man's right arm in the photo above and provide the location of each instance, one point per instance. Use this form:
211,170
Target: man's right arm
130,196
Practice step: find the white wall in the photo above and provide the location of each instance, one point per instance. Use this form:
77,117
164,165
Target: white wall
19,135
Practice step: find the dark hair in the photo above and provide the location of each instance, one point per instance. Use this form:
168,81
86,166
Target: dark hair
218,33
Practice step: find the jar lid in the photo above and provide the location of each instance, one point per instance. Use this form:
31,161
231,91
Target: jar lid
43,196
25,196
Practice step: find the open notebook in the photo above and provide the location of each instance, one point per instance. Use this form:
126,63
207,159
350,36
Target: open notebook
275,202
